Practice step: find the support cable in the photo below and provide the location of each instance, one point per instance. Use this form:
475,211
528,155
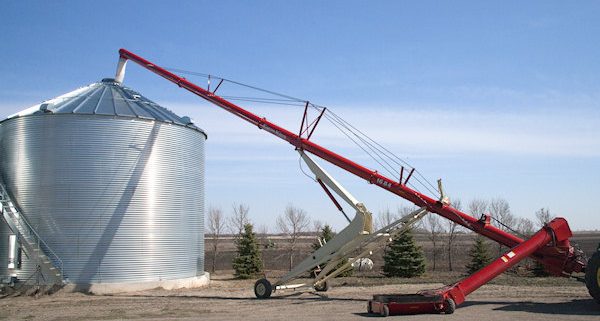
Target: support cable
381,153
399,161
373,149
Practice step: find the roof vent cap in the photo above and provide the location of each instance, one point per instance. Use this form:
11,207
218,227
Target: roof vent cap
187,120
109,80
44,108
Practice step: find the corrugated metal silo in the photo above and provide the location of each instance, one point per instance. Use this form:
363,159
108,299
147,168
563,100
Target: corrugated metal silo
112,182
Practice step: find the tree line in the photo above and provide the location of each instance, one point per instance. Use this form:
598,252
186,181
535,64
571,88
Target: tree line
293,222
401,258
442,232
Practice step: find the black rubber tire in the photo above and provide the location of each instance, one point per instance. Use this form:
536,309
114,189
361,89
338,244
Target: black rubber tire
449,306
263,289
369,308
592,276
385,311
323,287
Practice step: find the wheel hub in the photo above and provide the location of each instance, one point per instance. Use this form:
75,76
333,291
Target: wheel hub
260,289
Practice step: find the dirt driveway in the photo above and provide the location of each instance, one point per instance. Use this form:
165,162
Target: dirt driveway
234,300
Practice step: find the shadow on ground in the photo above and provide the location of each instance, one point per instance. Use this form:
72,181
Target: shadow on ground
573,307
295,296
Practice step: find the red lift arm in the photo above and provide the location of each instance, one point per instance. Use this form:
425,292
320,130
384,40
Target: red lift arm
550,246
558,261
556,233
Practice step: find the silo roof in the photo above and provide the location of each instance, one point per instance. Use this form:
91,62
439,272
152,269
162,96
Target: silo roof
108,98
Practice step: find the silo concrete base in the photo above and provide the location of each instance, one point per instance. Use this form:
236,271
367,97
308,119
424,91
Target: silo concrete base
112,288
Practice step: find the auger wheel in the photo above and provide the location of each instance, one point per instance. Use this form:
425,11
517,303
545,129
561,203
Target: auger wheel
322,287
449,306
263,289
592,276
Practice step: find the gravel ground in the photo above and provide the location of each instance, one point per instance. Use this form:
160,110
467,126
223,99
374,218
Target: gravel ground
227,299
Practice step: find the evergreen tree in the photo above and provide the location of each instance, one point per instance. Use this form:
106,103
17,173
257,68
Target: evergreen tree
479,255
404,258
247,263
326,235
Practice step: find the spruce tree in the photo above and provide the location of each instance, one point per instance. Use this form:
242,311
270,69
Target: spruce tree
247,263
326,235
479,255
404,258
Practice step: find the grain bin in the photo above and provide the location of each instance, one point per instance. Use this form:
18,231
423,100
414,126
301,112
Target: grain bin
112,182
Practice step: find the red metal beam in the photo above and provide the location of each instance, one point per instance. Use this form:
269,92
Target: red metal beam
555,233
332,198
369,175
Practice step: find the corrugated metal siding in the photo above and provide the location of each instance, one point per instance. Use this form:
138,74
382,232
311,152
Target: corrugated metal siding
118,199
4,234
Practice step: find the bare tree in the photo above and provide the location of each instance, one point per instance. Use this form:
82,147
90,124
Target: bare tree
239,218
262,232
525,226
385,218
477,207
434,226
317,226
404,210
216,227
500,210
452,227
293,222
543,216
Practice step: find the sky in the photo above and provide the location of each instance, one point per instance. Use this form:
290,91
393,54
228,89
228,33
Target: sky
499,100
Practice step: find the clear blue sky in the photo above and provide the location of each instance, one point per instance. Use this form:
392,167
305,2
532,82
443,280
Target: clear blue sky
499,100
